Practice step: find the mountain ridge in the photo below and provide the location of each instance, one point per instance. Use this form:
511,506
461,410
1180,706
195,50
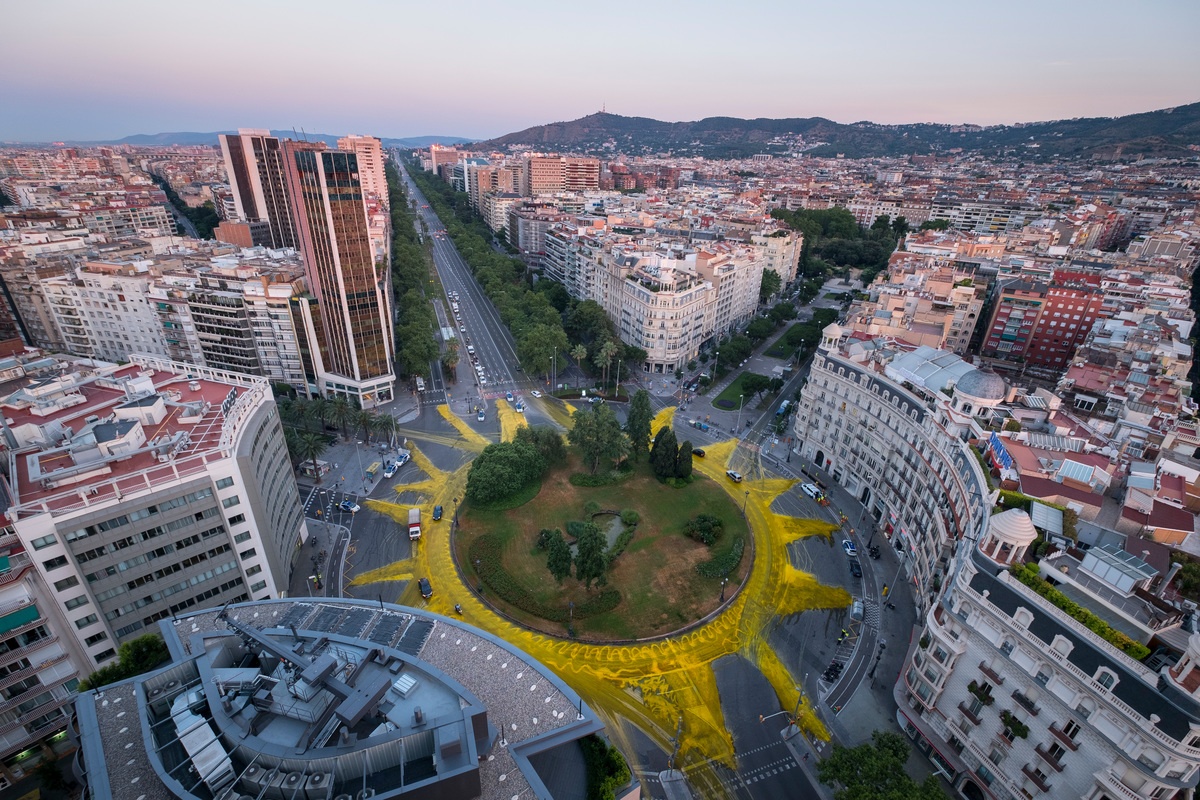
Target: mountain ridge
1165,132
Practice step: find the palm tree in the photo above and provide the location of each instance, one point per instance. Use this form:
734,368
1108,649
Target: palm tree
579,353
362,420
310,447
607,351
387,427
292,439
340,412
318,410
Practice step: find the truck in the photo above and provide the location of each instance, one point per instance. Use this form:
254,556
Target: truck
414,524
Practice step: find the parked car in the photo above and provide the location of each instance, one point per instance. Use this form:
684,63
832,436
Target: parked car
347,505
536,393
508,396
425,587
736,477
811,490
849,547
437,513
390,469
855,568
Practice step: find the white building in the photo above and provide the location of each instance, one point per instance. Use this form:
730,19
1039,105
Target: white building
147,489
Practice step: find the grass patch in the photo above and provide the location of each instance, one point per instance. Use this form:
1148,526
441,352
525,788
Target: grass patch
659,587
731,392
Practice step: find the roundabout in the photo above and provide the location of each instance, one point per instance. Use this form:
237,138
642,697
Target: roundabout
660,685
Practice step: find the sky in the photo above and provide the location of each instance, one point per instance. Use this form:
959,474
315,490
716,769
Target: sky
85,70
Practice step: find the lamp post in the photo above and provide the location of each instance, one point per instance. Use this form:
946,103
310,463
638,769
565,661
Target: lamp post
478,577
723,582
456,512
741,399
745,502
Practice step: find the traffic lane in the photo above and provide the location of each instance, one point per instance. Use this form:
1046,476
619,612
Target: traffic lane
765,767
475,318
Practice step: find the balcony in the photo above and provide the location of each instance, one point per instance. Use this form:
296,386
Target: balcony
1034,779
1049,759
1066,741
1115,786
1025,703
990,673
969,714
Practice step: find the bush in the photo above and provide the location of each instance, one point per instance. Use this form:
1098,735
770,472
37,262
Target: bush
591,507
619,546
135,657
630,517
606,768
487,550
723,565
704,528
588,481
726,404
544,537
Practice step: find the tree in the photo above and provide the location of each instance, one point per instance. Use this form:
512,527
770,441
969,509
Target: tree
760,328
754,384
310,447
547,441
935,225
340,413
735,350
900,227
536,347
597,433
362,421
775,385
450,357
589,555
683,464
665,454
559,559
638,423
579,353
50,776
587,322
502,470
318,411
876,770
771,282
607,351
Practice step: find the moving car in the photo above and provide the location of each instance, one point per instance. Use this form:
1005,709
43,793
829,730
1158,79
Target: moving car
390,469
508,396
855,568
347,505
849,547
425,587
402,460
736,477
536,393
437,513
696,451
480,416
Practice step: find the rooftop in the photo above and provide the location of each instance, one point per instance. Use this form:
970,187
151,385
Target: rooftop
96,429
327,696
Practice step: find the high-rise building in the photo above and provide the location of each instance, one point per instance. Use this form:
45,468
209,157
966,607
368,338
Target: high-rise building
147,489
370,164
254,163
326,194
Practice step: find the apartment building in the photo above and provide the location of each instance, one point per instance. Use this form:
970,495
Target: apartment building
21,291
781,252
371,162
735,274
495,207
254,163
550,174
1012,697
659,304
1042,324
128,222
527,227
39,665
874,417
982,216
144,490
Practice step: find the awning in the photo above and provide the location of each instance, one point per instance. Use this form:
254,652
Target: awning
18,618
1046,518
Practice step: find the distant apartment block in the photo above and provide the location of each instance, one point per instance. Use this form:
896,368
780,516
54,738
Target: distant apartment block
255,165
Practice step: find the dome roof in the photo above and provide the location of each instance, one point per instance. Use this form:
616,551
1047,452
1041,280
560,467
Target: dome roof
982,384
1013,527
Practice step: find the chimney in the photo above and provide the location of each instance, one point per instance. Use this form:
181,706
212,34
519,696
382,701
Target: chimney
1162,587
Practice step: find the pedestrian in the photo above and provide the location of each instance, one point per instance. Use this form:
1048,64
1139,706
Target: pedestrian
806,757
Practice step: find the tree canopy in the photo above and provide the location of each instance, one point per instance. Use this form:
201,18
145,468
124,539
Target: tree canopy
638,423
502,470
597,433
875,771
589,555
771,283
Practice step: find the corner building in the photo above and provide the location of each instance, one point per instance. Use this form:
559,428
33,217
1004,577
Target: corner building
145,490
1014,698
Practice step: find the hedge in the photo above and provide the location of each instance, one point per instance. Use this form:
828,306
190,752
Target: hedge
606,768
487,550
618,546
722,565
1030,578
587,480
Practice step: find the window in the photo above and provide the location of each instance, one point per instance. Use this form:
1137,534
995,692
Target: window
54,563
106,655
237,519
1071,729
248,553
224,483
1043,675
1056,751
253,570
88,620
996,756
99,637
76,602
66,583
257,586
244,536
229,502
44,541
1106,678
985,775
1085,709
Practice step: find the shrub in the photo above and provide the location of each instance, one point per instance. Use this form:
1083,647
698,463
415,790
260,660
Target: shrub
544,537
723,565
135,657
630,517
606,768
487,550
588,481
591,507
726,404
704,528
618,546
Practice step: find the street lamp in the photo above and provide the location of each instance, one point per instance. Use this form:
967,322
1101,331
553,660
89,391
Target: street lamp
478,577
741,399
745,502
723,582
456,512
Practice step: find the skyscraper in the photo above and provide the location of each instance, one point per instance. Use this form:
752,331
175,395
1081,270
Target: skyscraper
254,163
325,193
370,164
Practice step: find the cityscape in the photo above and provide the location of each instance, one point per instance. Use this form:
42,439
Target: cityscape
685,446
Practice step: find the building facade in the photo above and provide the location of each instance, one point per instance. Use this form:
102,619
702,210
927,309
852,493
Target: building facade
254,162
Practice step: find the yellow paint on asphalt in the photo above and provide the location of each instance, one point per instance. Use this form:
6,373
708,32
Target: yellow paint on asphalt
650,685
469,435
510,420
662,418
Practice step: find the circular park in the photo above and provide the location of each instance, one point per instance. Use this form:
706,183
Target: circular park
602,549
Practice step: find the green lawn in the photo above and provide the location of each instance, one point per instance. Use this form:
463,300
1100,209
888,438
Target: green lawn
732,391
660,588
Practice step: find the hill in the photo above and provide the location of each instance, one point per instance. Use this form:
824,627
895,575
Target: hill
195,138
1168,132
